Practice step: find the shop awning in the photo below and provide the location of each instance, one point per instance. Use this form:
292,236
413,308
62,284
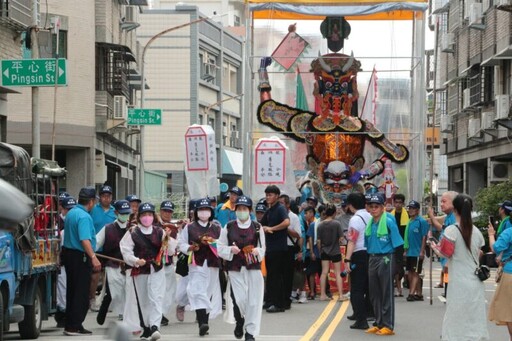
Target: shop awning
232,162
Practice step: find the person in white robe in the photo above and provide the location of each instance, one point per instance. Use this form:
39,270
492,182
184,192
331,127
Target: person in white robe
199,239
242,244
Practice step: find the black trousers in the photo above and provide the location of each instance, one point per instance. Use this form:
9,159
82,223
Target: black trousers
276,262
359,293
288,275
78,272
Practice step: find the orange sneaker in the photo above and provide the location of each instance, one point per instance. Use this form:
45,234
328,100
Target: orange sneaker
385,331
372,330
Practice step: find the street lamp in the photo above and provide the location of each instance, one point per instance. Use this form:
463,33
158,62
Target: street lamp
143,90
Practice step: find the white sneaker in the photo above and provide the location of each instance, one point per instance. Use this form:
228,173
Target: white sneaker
303,297
93,306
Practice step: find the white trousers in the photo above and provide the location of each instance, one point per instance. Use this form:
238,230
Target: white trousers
61,289
150,290
247,288
203,289
116,284
170,288
181,291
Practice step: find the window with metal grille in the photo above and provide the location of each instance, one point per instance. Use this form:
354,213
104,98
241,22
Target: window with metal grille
112,70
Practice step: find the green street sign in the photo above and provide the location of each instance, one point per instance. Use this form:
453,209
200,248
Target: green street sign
33,72
144,117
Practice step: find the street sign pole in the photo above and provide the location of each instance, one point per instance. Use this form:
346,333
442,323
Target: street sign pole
56,28
36,130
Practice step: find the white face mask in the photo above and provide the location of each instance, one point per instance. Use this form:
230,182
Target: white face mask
204,215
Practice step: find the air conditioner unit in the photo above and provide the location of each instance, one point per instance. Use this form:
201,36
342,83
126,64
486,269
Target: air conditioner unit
473,127
446,124
500,171
504,5
466,98
475,16
206,58
467,8
448,42
131,13
502,106
120,108
485,5
487,120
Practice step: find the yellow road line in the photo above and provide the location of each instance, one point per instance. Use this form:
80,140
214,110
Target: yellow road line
320,321
334,323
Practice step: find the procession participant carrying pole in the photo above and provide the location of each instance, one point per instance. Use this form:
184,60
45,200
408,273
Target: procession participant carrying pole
111,258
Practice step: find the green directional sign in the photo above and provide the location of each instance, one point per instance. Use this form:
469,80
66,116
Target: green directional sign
144,117
33,72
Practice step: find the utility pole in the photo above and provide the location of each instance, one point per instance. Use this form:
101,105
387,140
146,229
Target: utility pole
36,124
143,91
55,29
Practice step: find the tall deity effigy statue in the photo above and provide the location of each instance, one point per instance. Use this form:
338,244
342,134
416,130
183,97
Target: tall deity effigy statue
335,135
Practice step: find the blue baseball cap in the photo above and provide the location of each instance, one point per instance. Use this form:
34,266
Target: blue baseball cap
105,189
133,197
167,205
87,193
202,203
146,207
413,204
261,208
243,201
68,202
376,199
122,207
236,190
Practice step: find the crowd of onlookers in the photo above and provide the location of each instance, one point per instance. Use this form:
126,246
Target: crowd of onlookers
242,255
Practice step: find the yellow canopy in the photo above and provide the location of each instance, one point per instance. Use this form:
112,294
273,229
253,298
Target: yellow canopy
312,9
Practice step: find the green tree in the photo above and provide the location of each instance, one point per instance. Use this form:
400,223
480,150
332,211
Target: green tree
487,200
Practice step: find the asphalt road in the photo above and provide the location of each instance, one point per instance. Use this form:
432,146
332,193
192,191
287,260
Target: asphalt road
314,320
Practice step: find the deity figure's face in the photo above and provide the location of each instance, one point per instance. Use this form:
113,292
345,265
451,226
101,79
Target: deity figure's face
336,176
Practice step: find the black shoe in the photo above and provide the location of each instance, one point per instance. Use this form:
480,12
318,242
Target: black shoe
102,314
351,317
203,329
155,333
274,309
77,332
360,325
267,305
249,337
239,329
410,298
164,321
374,324
287,307
146,334
418,298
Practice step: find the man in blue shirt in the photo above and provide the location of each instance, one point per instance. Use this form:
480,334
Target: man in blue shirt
414,245
381,238
504,212
79,260
226,212
441,223
103,212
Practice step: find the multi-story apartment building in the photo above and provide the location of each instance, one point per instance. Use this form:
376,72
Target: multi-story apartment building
474,85
92,140
15,17
195,77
